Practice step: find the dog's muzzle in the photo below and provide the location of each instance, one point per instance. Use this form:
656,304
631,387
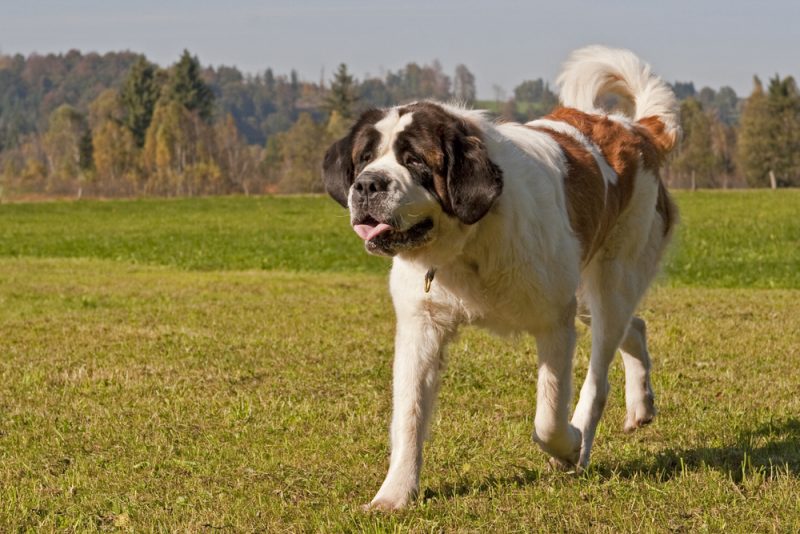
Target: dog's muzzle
372,211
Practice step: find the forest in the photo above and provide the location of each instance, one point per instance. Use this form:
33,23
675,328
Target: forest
119,125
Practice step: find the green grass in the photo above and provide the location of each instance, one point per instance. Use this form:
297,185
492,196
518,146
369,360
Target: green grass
727,239
222,381
737,239
231,233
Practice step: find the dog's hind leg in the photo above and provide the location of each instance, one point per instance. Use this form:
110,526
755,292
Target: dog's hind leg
639,398
612,301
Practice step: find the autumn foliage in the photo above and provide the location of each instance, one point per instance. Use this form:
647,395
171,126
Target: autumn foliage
118,125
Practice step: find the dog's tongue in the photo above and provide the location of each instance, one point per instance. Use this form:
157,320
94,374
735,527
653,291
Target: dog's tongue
367,231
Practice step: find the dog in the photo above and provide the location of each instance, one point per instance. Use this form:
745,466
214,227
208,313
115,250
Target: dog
519,228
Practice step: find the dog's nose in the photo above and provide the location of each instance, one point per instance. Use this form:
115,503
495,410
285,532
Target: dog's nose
369,184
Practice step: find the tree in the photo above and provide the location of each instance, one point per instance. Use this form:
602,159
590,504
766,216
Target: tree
754,137
535,97
294,158
114,150
464,85
32,88
373,92
168,148
106,107
236,160
437,82
272,163
727,105
25,166
416,82
723,144
694,157
68,148
706,97
783,99
530,91
269,82
139,95
294,86
337,127
769,135
114,156
684,90
342,96
186,87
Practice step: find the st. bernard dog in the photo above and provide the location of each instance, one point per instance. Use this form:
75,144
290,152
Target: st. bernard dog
518,228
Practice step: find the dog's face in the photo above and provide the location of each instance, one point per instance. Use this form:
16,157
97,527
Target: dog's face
408,172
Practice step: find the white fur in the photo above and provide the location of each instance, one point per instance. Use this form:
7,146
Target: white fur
390,127
596,70
519,270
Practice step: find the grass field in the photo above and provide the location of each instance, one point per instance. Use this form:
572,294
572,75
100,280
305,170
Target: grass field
201,365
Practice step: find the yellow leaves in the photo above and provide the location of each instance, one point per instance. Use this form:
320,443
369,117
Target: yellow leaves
62,143
114,150
298,152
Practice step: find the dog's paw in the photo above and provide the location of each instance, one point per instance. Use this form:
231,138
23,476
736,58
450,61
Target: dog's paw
563,466
564,448
390,498
640,413
385,504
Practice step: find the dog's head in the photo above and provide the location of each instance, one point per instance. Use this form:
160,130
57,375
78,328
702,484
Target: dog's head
407,172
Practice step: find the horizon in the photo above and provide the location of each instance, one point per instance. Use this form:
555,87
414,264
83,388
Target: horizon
738,42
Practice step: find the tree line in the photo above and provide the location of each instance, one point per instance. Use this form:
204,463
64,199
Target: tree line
119,125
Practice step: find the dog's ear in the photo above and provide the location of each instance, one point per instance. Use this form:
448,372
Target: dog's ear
473,180
338,171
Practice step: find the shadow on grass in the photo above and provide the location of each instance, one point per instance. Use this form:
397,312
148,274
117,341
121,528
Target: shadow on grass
521,477
770,449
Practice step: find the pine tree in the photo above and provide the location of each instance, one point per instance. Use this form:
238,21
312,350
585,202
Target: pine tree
186,87
342,96
138,97
269,82
783,99
294,86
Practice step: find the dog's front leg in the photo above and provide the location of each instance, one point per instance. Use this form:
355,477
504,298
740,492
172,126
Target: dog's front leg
419,347
553,432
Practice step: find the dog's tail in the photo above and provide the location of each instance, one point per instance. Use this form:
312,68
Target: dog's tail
593,72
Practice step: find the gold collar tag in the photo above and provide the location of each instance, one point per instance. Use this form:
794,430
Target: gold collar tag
429,279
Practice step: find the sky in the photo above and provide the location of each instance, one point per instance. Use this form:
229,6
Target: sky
709,42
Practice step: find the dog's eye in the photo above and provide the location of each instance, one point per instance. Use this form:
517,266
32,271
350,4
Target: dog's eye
365,156
412,160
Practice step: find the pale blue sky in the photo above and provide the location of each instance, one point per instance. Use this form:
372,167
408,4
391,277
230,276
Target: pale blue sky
711,42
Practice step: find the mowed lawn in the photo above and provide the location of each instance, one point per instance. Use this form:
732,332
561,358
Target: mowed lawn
213,365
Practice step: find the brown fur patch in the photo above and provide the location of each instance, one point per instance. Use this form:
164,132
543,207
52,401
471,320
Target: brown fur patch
655,131
585,190
624,148
457,165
